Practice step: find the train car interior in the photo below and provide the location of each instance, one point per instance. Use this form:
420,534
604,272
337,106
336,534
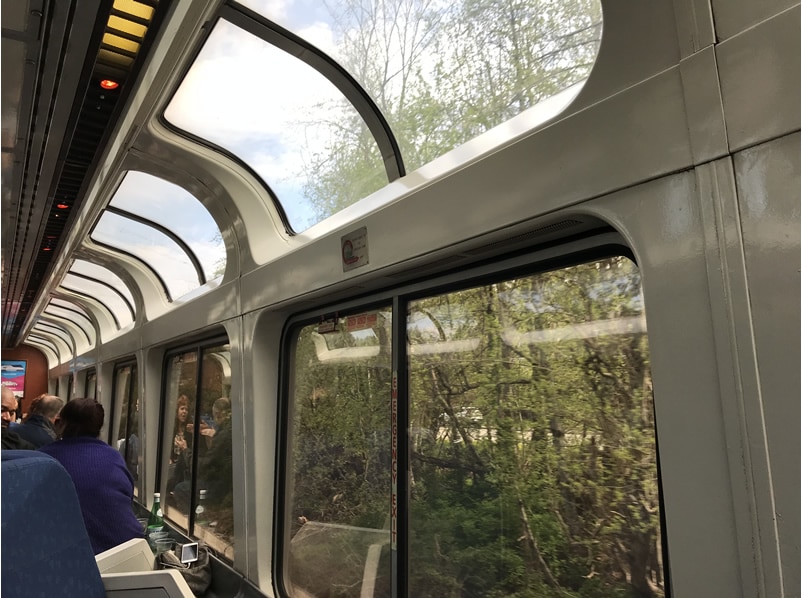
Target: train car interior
409,298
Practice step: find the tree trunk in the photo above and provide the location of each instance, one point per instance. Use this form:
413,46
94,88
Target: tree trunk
532,543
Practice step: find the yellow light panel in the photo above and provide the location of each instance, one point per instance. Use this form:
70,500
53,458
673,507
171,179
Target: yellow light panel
134,8
127,26
116,41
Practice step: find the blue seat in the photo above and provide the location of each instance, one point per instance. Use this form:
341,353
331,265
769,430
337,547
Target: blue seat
46,550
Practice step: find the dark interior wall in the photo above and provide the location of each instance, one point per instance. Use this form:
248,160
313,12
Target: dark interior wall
35,372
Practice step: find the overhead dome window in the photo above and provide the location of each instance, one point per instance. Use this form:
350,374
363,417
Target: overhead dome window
281,123
64,329
167,229
435,75
101,286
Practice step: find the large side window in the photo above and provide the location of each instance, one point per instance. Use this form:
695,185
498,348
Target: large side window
533,451
196,468
339,471
126,394
531,442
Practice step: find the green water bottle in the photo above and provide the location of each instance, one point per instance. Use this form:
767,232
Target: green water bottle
155,521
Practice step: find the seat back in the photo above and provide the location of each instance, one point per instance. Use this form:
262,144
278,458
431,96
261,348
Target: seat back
46,550
133,555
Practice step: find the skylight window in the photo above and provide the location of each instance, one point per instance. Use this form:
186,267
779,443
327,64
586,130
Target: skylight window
121,311
50,330
167,228
154,248
90,270
282,118
66,311
435,75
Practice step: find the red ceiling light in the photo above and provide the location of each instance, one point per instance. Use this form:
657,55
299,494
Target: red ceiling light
62,206
109,84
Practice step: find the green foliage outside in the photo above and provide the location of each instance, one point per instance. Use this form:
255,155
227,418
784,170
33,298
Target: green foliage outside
442,73
533,460
536,455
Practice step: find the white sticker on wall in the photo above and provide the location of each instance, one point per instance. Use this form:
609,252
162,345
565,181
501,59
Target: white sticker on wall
354,249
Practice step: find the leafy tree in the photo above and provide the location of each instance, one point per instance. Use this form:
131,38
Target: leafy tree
532,441
442,73
550,441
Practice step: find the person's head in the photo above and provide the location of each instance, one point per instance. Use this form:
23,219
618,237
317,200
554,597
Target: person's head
47,406
182,409
221,409
9,404
80,417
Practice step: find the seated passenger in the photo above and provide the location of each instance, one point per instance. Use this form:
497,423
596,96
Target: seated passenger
104,485
10,438
39,428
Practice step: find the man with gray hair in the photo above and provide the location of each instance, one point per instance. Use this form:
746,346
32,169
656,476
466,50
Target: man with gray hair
11,440
39,428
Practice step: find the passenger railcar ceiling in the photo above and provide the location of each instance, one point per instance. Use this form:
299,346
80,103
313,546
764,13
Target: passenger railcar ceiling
56,119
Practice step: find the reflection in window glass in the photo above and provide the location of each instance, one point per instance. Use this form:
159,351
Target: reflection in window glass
126,394
153,247
179,435
198,427
339,465
178,211
286,137
441,73
533,454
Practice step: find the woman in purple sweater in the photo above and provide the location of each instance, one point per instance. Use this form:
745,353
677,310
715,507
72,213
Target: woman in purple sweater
104,485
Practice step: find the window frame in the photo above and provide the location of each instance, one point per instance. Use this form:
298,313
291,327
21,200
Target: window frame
133,385
199,347
90,378
603,245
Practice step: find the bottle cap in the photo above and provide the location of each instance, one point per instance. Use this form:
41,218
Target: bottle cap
156,495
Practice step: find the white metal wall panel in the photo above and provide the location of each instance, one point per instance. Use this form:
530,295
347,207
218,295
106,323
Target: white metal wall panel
695,28
706,128
759,72
768,184
639,39
662,222
734,16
